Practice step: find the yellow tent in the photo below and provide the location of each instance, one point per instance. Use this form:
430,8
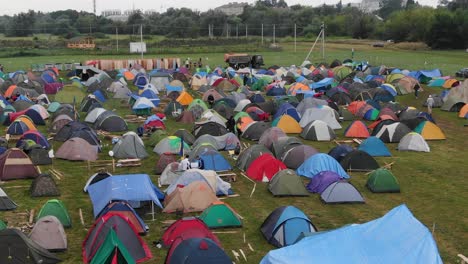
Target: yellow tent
26,120
463,111
184,98
430,131
289,125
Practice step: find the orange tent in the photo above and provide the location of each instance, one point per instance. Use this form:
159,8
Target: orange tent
10,90
243,122
357,129
463,111
129,76
298,87
184,98
354,106
450,83
289,125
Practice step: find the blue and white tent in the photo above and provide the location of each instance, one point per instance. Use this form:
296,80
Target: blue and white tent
134,188
377,241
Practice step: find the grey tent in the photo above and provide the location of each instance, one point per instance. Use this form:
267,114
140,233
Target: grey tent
77,149
393,133
130,146
186,135
341,192
170,174
271,135
96,178
48,232
59,122
413,142
92,116
110,122
318,130
295,155
44,186
39,155
5,202
255,130
284,143
358,160
211,128
287,183
164,160
17,248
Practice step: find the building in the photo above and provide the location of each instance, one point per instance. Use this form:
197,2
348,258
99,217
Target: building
370,6
81,43
114,15
232,9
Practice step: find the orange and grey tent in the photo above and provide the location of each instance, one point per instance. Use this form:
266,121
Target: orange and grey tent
289,125
357,129
298,87
450,83
430,131
195,197
129,76
463,113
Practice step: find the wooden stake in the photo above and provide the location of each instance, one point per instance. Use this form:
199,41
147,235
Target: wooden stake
81,217
253,190
243,255
224,232
31,216
250,247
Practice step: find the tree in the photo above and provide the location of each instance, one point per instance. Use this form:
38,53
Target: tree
387,7
21,25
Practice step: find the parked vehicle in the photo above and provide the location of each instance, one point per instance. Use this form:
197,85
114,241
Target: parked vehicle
242,60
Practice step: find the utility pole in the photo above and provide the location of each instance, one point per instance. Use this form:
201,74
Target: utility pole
141,40
94,7
262,33
323,40
246,28
295,43
117,37
274,34
237,31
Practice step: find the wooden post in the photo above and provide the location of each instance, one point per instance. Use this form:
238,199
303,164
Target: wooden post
31,216
81,217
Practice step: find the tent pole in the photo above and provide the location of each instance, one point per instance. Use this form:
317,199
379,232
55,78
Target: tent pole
152,209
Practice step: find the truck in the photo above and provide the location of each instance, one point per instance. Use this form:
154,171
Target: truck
242,60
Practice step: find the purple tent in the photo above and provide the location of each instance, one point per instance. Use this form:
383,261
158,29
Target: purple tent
321,181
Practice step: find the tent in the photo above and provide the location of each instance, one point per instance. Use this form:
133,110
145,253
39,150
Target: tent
77,149
36,136
195,197
164,160
170,174
294,156
110,122
2,225
341,192
357,129
17,248
318,163
392,133
197,250
321,181
213,160
248,155
288,124
264,168
358,160
287,183
374,147
411,242
124,230
220,215
210,128
254,130
171,144
77,129
271,135
430,131
318,130
456,98
56,208
217,185
125,209
5,202
382,180
48,232
112,249
413,142
143,106
59,122
284,225
130,146
283,144
15,164
134,188
323,113
99,176
185,228
44,186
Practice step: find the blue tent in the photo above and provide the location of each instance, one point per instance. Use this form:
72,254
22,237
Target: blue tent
213,160
170,88
374,147
277,90
284,225
288,109
151,95
425,76
377,241
318,163
125,208
100,96
197,251
340,151
133,188
322,84
140,80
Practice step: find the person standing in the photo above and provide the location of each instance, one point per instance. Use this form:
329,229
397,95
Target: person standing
430,104
416,90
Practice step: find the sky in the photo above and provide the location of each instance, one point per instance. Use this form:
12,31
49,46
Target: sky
18,6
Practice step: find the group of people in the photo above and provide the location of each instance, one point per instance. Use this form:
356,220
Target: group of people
189,64
185,163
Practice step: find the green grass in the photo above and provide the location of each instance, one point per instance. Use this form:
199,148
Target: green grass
433,184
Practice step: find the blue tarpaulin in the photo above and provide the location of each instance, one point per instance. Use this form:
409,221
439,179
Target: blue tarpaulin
130,187
397,237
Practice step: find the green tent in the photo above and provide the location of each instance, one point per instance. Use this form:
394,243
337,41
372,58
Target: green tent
157,136
112,249
54,106
219,215
56,208
382,180
2,225
68,92
287,183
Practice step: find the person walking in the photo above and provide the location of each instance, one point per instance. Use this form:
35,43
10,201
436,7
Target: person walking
430,104
416,90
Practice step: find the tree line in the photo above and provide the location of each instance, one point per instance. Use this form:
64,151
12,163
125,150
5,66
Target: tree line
444,27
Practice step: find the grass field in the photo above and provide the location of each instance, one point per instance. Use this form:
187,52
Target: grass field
433,184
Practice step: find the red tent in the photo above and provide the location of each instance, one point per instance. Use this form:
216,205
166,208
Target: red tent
185,228
264,166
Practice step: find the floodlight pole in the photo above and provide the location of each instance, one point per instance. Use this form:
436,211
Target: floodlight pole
262,33
323,40
274,34
141,40
117,37
295,43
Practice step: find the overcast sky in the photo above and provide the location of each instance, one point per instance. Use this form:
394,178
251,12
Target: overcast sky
18,6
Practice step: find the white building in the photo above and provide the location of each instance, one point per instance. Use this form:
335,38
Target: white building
232,9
